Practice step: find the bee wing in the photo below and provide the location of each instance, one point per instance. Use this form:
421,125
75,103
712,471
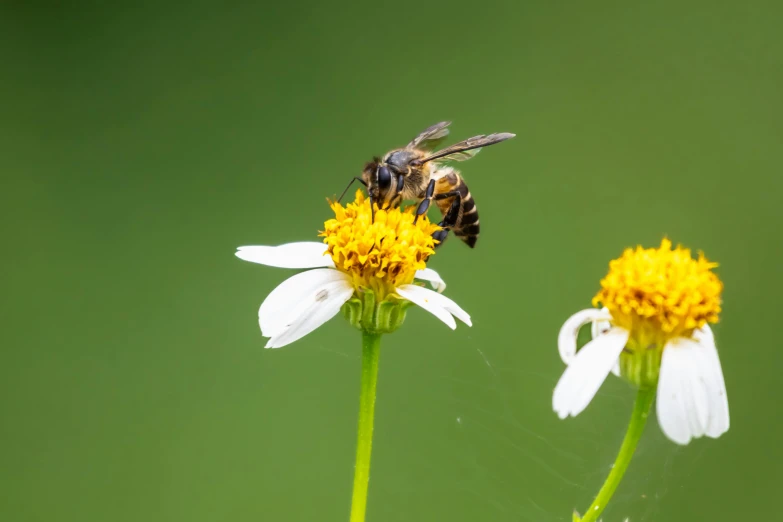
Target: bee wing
468,148
431,134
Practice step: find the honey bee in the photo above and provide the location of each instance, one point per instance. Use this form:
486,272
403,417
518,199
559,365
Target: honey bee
416,173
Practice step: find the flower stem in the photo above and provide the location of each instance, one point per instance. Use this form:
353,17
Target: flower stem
371,348
641,410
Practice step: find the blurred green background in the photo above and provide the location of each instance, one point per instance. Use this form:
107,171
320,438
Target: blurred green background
141,143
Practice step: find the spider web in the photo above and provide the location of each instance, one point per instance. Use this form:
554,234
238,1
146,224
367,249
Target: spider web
541,476
574,475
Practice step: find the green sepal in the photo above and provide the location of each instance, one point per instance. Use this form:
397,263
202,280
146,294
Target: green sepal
352,311
368,308
576,517
368,316
641,365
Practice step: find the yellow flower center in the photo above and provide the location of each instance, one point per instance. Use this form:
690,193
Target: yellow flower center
660,293
382,254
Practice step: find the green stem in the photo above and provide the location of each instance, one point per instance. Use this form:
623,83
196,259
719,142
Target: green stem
371,349
641,410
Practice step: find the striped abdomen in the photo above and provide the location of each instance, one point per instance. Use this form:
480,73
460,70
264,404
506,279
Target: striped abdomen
466,226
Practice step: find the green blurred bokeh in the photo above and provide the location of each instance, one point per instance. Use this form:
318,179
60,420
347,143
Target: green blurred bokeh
141,143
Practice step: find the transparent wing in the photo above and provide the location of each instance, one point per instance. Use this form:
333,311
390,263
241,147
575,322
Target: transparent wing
430,134
468,148
460,155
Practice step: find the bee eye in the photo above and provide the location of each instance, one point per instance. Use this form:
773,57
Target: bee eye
384,178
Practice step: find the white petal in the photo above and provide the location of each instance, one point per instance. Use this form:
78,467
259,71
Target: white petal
449,305
704,335
597,329
673,404
719,401
281,306
316,309
424,298
587,372
566,339
692,398
428,274
305,254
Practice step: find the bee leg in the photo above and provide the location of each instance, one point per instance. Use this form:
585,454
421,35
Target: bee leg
360,180
450,219
394,203
425,203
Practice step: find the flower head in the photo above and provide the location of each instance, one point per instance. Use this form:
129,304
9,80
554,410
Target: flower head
661,290
381,254
365,267
653,330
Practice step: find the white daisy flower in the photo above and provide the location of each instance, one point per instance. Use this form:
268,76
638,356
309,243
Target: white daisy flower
359,256
653,331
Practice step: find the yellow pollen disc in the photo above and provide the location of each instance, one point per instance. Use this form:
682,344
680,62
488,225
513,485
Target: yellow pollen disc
380,255
661,293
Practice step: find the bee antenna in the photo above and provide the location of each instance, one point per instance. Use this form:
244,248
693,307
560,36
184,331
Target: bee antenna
356,178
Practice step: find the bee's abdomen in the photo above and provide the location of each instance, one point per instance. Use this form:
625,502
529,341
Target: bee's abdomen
467,227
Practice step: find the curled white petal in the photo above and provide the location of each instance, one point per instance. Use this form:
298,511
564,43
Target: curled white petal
597,329
566,339
601,326
691,400
587,371
425,299
428,274
283,305
304,254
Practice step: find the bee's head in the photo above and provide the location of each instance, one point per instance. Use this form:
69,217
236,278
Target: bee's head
382,182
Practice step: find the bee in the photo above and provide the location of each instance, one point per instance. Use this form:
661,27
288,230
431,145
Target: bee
416,173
